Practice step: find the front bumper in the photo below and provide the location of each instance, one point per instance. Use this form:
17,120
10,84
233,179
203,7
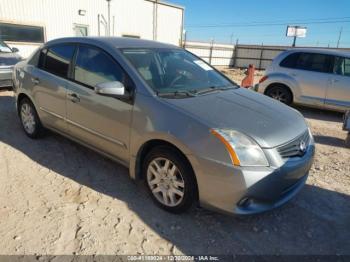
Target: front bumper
6,76
243,190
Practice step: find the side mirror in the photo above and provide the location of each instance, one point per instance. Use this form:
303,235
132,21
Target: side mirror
15,49
112,89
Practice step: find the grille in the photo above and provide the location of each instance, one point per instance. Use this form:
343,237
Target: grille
293,148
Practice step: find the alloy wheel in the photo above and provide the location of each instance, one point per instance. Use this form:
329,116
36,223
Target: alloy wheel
28,118
279,95
165,181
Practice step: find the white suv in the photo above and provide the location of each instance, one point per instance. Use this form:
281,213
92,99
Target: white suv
312,77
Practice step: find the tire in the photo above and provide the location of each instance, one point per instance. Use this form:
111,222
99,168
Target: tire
29,119
174,190
280,93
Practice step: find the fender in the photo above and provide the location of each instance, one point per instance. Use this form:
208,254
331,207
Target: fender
281,78
138,145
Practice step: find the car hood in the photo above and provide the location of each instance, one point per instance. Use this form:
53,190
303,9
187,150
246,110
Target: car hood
9,59
269,122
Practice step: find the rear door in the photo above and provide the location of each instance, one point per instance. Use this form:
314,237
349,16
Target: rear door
49,81
100,121
313,74
338,93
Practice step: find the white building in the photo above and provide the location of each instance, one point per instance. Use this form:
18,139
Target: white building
26,24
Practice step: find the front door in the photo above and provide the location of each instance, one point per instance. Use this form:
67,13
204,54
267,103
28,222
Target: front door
313,75
338,94
100,121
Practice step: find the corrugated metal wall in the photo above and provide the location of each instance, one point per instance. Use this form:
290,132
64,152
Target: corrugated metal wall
131,17
236,56
258,55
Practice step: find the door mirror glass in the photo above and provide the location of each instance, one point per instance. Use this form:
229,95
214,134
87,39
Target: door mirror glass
113,89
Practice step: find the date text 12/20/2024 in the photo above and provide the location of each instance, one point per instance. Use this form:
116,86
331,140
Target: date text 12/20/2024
173,258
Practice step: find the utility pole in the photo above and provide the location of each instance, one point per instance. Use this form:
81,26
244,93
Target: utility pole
155,19
109,17
211,50
231,37
340,32
294,40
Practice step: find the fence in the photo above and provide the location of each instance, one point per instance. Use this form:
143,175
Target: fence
214,54
237,55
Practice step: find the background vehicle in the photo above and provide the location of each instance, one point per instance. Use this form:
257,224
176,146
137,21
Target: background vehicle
171,118
312,77
8,58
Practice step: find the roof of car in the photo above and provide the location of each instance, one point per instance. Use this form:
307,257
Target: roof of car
118,42
336,52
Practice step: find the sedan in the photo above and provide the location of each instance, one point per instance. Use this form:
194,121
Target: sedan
177,123
8,58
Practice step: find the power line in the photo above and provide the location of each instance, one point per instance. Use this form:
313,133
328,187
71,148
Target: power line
276,23
293,20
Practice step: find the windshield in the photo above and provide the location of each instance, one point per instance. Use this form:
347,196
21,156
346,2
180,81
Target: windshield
175,70
4,48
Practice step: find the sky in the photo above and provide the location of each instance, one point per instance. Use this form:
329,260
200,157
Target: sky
265,21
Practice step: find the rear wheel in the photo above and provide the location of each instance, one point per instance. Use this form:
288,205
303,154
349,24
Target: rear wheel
170,179
280,93
29,118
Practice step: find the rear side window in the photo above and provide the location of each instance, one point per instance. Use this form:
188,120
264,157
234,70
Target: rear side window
57,59
342,66
93,66
315,62
290,61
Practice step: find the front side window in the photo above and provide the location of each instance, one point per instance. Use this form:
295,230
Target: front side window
57,59
174,70
94,66
315,62
342,66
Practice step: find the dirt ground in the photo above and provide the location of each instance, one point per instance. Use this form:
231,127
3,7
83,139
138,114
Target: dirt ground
57,197
237,75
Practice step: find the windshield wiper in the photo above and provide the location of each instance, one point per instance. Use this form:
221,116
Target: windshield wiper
213,89
176,94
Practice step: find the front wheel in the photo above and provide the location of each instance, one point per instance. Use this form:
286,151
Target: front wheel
280,93
29,119
169,179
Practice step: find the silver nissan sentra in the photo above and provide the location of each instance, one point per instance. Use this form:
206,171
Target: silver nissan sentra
189,132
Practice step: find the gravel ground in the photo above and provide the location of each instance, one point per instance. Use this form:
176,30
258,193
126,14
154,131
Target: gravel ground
237,75
57,197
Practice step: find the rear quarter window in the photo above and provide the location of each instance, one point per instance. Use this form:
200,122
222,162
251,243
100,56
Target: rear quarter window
290,61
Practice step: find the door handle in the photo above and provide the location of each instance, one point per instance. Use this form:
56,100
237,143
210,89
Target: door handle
74,97
35,80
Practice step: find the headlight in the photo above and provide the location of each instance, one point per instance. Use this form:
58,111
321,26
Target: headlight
243,150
